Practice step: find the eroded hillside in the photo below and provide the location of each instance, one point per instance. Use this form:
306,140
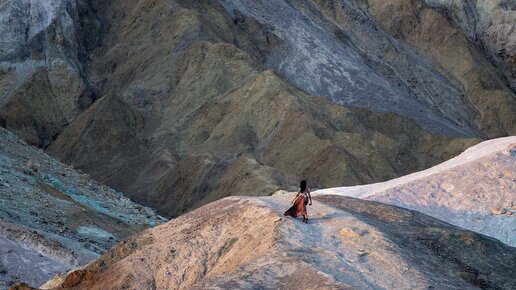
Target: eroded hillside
53,218
179,103
475,190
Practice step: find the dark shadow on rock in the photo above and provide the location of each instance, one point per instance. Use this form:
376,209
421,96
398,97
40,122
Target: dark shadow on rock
479,260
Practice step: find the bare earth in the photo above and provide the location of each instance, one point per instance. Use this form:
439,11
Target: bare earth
246,243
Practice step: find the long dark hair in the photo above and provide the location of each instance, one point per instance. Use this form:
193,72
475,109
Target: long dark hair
302,185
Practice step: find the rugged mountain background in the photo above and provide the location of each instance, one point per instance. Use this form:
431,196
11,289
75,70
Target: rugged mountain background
179,103
54,219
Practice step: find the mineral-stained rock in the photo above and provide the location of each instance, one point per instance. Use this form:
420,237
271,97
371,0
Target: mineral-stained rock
42,54
53,219
489,23
257,137
76,277
21,286
473,41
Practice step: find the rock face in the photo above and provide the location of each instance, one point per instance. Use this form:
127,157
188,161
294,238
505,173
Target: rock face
246,243
179,103
475,190
43,51
53,218
325,57
489,23
473,41
247,153
188,134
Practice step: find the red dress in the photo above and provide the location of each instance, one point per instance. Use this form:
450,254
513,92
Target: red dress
299,207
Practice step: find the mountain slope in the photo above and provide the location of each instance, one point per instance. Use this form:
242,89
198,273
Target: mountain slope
43,51
473,42
475,190
53,218
406,57
210,120
243,243
265,133
190,101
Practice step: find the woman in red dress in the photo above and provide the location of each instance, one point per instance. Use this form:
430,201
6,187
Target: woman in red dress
299,202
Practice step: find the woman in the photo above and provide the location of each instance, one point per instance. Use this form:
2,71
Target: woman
299,202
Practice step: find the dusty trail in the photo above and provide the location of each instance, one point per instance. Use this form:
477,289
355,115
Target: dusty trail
347,248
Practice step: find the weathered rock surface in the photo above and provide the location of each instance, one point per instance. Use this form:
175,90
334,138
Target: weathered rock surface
260,137
43,51
53,218
176,126
473,43
329,59
489,23
246,243
448,65
475,190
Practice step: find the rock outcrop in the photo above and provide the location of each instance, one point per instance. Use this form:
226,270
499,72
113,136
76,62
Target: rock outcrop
246,243
473,42
490,24
53,218
475,190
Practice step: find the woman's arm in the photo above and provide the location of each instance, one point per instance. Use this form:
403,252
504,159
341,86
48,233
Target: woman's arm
309,196
297,194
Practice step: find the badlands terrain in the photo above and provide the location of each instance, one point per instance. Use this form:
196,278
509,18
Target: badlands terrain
348,243
54,218
114,111
246,243
475,190
179,103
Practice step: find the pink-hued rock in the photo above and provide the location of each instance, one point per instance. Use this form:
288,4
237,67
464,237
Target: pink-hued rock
475,190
